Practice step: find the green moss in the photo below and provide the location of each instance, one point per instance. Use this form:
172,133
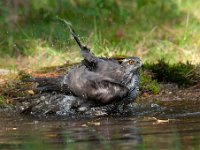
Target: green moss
22,75
2,101
184,74
148,84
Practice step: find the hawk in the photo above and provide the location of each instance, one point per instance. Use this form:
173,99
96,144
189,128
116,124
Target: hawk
97,82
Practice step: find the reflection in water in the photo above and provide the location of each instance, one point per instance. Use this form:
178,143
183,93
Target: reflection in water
99,133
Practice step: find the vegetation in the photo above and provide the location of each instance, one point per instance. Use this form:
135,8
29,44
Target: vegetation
184,74
2,101
148,84
146,28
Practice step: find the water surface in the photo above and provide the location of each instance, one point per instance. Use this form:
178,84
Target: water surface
130,132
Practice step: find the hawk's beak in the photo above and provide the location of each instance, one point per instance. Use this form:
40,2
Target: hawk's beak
141,63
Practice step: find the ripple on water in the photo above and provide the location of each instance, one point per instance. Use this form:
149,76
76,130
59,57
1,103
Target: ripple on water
114,132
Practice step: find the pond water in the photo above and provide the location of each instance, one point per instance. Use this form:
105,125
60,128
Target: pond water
128,132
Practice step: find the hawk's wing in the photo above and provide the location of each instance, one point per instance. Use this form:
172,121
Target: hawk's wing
105,91
90,85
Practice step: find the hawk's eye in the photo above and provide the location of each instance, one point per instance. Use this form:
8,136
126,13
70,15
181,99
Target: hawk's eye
131,62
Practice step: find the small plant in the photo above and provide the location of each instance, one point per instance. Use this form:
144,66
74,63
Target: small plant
2,101
148,84
23,75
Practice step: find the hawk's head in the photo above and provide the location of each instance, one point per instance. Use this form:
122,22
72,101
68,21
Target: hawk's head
132,64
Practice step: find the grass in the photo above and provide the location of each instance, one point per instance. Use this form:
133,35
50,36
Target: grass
130,28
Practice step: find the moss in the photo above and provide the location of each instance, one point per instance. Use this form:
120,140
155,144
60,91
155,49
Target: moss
22,75
2,101
148,84
183,74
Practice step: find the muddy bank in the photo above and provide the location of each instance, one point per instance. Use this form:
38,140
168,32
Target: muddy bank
170,92
175,102
169,98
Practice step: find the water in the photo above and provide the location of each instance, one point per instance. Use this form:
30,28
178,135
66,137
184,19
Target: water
131,132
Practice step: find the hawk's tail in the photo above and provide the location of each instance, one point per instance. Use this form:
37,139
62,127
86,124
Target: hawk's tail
85,52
